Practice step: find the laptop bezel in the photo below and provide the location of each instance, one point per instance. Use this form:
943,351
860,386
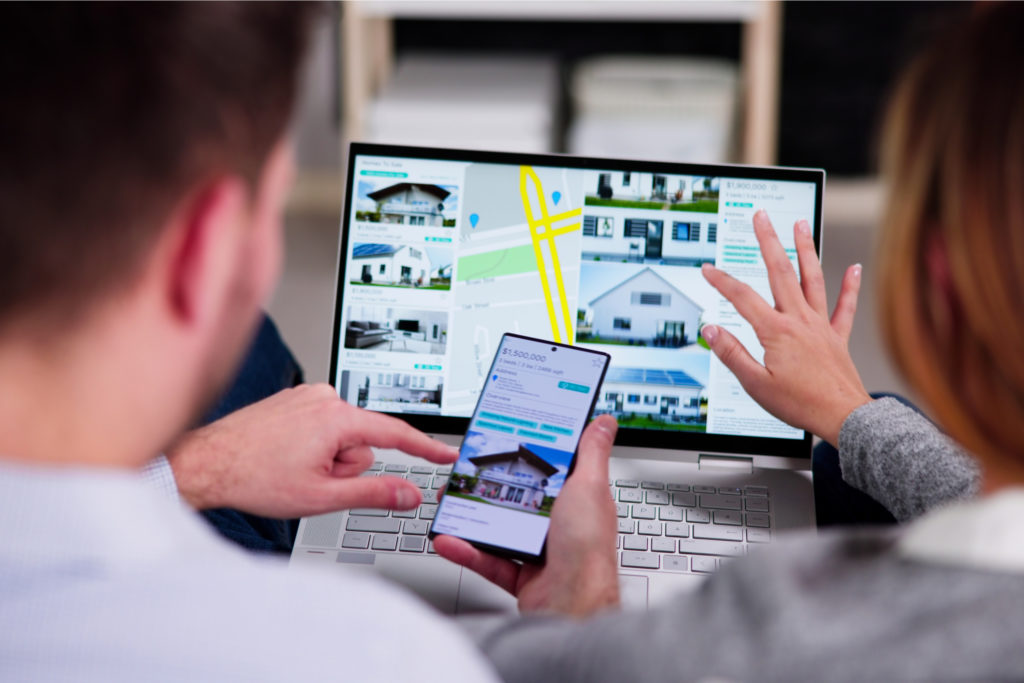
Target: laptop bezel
663,439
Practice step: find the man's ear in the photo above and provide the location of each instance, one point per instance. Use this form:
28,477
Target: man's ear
203,248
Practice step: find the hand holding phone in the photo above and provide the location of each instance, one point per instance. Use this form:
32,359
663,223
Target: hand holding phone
520,446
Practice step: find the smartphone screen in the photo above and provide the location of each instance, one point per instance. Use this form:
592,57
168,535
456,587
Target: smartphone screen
520,446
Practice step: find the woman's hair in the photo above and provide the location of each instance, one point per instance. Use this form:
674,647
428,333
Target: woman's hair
952,250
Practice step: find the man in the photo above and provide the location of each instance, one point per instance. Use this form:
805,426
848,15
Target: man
145,167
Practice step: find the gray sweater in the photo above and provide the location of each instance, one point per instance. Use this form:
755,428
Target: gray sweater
843,606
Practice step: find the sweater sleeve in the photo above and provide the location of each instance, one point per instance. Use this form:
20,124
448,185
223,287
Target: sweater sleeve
902,460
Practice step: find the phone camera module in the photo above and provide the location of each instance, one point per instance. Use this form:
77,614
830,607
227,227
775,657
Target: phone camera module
554,348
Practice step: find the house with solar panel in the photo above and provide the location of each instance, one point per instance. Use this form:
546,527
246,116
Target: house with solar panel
391,264
516,479
411,204
646,310
660,395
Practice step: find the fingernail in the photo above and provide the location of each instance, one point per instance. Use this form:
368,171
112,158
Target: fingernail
407,498
761,212
857,270
709,332
804,227
609,427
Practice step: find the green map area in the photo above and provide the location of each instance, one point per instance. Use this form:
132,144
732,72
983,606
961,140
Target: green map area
497,263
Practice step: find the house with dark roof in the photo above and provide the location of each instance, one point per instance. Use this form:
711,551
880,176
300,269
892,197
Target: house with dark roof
666,395
516,479
395,264
411,204
645,309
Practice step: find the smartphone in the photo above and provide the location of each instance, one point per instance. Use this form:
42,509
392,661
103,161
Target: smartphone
520,446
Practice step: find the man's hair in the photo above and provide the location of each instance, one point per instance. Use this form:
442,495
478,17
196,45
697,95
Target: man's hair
953,154
111,113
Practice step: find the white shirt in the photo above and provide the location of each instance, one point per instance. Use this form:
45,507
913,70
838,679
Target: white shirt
102,579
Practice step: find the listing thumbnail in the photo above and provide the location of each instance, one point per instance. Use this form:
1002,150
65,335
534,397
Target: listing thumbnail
401,265
503,471
380,328
392,392
405,203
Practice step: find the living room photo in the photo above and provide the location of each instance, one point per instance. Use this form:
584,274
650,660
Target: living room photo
403,330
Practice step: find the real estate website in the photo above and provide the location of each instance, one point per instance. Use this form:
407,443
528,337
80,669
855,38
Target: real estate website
445,256
520,444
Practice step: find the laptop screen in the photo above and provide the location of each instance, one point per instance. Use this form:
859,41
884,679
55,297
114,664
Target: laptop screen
443,251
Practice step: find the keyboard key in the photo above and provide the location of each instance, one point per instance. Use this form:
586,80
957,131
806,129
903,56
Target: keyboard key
757,504
618,542
634,543
367,512
670,514
428,511
721,533
421,469
374,524
643,512
759,536
416,527
627,526
657,497
421,480
720,502
385,542
731,490
631,496
405,514
627,483
640,560
678,487
756,490
395,468
758,519
730,517
412,544
444,471
430,497
376,467
698,516
438,482
355,539
368,473
677,529
705,489
660,545
649,528
430,548
655,485
704,565
687,500
622,510
695,546
678,563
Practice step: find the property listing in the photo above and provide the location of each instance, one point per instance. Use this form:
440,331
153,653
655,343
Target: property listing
520,445
444,257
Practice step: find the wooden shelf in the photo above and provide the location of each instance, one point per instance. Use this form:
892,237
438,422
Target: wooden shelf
567,10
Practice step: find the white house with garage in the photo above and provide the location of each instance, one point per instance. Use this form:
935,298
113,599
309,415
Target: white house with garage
391,264
666,395
645,309
411,204
516,479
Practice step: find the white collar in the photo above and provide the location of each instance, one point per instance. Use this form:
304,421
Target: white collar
986,533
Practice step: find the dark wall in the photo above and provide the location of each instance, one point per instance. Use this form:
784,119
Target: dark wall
839,62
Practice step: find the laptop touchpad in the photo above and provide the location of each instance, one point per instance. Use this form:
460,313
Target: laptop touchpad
633,591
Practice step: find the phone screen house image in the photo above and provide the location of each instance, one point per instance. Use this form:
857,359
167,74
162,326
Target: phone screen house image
670,396
645,309
411,204
391,264
515,479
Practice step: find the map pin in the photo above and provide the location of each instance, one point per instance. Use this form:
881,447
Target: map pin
474,219
556,196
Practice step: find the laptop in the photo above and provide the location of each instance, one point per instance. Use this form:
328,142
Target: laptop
442,251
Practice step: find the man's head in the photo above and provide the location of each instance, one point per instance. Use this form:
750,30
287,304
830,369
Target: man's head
144,171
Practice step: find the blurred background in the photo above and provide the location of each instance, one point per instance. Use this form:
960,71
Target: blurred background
762,82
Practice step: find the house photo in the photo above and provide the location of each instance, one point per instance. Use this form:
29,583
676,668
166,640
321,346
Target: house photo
644,309
405,203
654,398
655,191
403,330
401,265
392,392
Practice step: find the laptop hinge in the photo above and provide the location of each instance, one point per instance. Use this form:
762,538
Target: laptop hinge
724,462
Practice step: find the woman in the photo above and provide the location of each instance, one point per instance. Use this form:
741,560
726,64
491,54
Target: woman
941,598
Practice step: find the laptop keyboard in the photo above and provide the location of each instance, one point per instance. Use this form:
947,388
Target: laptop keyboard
662,526
683,528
